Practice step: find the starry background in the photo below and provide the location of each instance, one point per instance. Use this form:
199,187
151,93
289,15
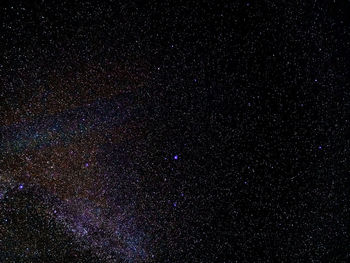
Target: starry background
174,131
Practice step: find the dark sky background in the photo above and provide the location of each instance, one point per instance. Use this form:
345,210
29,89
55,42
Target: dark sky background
174,131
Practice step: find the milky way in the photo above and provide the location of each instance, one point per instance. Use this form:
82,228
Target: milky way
178,131
62,149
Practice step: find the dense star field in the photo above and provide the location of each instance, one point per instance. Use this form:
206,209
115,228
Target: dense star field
174,131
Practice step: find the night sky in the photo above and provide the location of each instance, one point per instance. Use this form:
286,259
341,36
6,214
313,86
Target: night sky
174,131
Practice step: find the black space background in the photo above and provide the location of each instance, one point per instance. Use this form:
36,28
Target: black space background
253,96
